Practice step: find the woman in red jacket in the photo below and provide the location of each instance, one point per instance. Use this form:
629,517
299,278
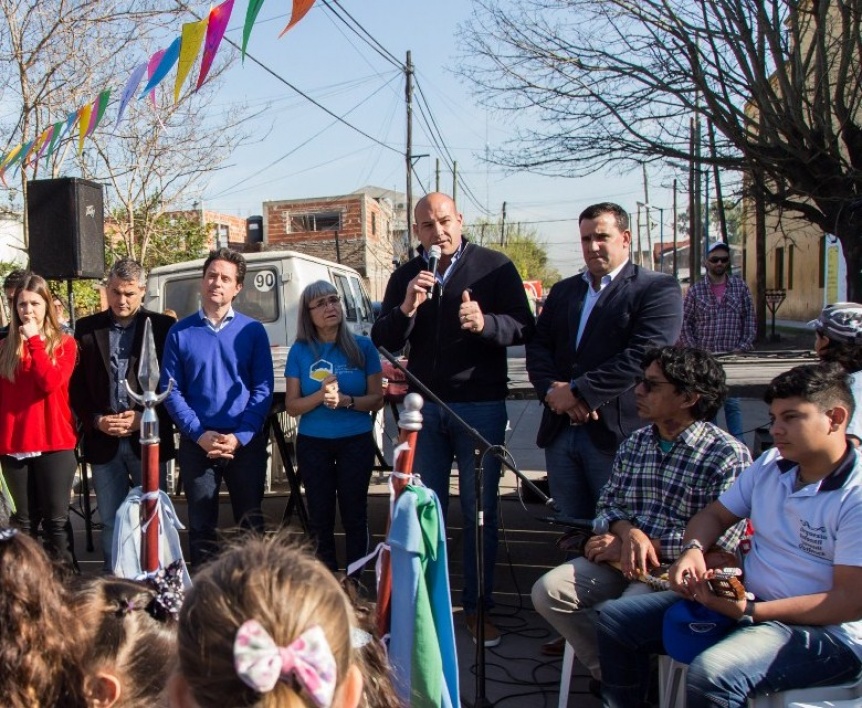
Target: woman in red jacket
37,432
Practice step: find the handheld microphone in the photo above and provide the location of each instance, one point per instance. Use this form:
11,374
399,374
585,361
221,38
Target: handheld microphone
434,254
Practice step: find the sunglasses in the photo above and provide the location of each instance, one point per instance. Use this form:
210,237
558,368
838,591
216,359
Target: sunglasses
331,300
719,260
650,385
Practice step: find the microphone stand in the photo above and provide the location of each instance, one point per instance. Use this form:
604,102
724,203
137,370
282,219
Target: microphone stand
482,448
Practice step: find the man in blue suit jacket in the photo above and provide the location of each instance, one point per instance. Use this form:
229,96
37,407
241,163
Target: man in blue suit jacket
585,357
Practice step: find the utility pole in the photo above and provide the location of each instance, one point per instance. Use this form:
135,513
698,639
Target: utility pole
437,175
696,223
722,217
675,269
455,182
503,228
408,156
646,212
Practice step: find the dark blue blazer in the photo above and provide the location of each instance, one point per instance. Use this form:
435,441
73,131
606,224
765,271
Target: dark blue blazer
640,309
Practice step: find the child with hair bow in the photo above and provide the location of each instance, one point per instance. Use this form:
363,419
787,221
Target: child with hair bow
266,625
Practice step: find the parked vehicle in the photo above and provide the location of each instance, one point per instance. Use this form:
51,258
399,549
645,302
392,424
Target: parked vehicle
273,283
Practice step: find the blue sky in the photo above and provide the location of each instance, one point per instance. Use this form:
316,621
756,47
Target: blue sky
302,152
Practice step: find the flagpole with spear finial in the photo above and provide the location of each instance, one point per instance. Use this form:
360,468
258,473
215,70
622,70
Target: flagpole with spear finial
148,378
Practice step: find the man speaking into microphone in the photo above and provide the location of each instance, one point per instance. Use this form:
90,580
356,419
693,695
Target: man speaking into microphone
458,312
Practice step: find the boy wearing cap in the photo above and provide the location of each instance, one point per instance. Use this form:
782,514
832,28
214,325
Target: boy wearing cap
803,628
839,338
718,316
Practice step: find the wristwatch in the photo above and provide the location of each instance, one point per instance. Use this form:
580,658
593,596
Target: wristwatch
747,613
350,405
693,544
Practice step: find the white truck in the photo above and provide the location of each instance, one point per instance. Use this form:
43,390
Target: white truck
274,281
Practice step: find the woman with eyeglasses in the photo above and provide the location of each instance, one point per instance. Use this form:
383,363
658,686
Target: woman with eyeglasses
37,431
334,383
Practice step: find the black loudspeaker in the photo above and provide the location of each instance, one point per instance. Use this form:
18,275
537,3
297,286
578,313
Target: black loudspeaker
67,228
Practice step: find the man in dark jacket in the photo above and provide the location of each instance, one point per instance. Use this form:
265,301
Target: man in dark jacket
458,338
586,357
109,351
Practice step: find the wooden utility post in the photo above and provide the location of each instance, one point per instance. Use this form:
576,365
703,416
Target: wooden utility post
408,156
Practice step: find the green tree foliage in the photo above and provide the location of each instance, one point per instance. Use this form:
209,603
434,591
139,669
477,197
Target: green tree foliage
521,244
174,237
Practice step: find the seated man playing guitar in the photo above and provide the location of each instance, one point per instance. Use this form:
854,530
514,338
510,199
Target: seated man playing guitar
804,626
662,475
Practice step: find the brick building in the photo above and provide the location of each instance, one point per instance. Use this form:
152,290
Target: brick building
361,230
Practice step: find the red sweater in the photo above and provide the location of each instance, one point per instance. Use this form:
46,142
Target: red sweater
34,409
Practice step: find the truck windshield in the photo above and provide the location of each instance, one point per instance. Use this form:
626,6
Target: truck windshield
258,297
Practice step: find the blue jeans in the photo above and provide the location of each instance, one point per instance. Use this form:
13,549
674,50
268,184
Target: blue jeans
732,418
245,477
440,441
762,658
337,468
112,481
577,471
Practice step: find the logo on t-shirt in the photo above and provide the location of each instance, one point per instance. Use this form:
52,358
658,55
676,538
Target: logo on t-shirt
320,369
812,539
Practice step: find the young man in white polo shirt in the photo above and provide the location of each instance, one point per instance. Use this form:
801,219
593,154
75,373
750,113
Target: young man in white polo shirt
804,498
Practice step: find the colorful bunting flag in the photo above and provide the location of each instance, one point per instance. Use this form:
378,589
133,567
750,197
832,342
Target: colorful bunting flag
168,58
46,136
99,107
300,9
218,20
250,17
55,138
152,65
83,124
183,51
193,38
131,87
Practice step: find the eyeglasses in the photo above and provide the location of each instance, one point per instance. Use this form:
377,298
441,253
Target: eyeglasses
331,300
650,384
719,260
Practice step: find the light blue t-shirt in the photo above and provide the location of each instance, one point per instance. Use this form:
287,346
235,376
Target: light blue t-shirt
800,536
311,370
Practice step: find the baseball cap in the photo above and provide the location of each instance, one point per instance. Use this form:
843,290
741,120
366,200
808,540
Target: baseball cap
841,322
716,246
690,628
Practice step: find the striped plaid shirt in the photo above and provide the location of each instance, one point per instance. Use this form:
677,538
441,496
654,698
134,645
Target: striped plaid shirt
718,326
659,492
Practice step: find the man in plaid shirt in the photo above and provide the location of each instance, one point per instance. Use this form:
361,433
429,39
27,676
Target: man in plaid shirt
718,316
662,476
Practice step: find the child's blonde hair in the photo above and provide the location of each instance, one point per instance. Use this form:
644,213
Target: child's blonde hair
286,590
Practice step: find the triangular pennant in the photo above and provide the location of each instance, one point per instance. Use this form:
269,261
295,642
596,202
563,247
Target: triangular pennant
300,9
12,156
46,138
218,20
83,125
21,156
131,87
168,59
193,38
152,65
99,107
250,17
55,138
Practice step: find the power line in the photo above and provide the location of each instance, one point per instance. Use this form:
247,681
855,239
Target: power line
362,33
287,83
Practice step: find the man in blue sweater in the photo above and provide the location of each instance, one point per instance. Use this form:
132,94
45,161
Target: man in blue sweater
221,364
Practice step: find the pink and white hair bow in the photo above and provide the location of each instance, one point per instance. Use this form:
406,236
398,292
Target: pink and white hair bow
260,663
